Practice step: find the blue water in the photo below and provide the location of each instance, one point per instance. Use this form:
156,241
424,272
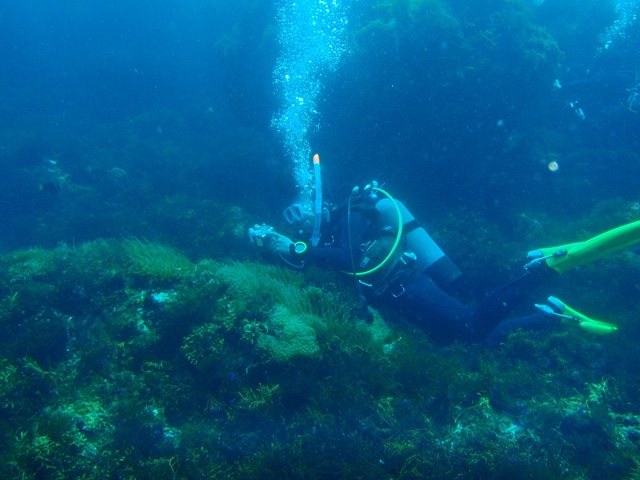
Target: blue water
503,125
450,112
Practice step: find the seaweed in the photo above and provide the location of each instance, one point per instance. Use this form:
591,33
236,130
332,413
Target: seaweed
250,370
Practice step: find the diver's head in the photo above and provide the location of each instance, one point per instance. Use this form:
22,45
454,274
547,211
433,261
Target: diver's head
299,216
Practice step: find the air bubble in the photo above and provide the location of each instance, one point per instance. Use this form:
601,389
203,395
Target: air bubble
310,44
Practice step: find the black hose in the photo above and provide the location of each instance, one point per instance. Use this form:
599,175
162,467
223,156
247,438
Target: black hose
364,304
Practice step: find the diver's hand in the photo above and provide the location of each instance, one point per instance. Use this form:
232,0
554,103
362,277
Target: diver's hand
280,245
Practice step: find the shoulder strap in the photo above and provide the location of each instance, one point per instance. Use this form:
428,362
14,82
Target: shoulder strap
362,203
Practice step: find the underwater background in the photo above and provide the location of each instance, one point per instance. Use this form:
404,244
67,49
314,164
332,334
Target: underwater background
142,337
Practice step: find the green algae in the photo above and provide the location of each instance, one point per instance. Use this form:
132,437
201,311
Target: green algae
169,380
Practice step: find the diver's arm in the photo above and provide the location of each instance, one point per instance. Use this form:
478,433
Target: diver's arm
336,254
328,257
279,244
283,247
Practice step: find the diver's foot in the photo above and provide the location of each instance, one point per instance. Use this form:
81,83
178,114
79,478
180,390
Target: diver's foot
559,309
555,307
537,257
534,254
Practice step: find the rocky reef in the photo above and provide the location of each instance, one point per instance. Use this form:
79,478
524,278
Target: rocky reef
125,359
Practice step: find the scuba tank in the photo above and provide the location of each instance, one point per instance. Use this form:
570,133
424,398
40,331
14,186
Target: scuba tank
402,246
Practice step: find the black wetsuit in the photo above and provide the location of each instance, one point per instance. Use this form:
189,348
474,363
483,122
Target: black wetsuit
429,306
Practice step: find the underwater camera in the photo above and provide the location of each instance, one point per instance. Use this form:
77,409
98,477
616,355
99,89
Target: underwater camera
259,236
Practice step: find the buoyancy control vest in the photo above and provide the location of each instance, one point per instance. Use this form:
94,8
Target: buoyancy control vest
415,253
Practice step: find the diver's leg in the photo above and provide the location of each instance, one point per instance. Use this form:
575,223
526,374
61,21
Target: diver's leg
446,318
545,263
433,310
568,256
501,301
535,321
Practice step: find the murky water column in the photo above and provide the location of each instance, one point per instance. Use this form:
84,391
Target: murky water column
312,41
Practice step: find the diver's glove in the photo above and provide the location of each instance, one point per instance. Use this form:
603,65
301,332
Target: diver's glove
279,244
288,251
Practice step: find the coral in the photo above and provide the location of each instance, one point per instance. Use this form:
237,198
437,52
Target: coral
289,334
31,264
202,344
379,330
100,258
264,397
250,281
9,385
157,261
251,371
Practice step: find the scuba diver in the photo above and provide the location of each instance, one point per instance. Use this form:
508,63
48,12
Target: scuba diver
394,261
